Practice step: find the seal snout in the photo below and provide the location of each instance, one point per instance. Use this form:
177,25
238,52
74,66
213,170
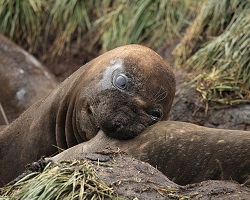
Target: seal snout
154,112
130,120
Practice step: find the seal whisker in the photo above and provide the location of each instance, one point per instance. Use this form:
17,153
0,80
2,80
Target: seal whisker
161,95
157,94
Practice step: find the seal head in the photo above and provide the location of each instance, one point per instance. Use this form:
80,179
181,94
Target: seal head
134,88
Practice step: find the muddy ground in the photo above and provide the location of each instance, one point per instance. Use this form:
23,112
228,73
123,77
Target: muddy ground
134,179
189,106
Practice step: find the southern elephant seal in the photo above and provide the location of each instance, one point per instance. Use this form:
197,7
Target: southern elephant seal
120,92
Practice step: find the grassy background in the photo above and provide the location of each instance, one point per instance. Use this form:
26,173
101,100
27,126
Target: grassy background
217,46
214,34
55,24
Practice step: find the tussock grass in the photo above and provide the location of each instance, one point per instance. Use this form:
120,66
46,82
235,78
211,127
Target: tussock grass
211,21
47,25
229,57
23,21
146,22
55,24
222,62
69,20
65,180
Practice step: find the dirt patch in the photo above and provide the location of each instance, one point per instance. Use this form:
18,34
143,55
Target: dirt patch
189,106
217,190
69,62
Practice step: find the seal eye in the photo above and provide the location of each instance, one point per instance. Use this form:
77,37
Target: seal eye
121,81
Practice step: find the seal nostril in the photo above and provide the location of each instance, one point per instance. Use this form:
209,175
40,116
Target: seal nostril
156,115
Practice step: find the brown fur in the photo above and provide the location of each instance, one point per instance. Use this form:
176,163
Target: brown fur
88,101
184,152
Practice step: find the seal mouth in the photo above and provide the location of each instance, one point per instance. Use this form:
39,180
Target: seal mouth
125,132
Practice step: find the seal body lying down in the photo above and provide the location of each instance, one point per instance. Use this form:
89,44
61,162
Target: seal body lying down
120,92
186,153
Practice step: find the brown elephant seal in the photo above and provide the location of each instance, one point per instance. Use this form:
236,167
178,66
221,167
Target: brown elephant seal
120,92
24,80
184,152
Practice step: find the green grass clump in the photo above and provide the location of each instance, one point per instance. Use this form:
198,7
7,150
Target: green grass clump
211,21
69,20
146,22
65,180
52,27
229,57
222,62
23,21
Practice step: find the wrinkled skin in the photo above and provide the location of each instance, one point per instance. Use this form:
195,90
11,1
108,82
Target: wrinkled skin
120,92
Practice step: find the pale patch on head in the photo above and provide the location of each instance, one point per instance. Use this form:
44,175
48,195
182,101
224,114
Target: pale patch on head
194,138
170,136
106,81
182,131
20,94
